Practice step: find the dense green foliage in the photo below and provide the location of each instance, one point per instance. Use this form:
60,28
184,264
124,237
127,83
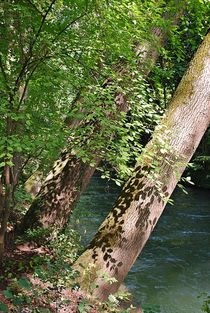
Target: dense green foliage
206,304
54,53
55,59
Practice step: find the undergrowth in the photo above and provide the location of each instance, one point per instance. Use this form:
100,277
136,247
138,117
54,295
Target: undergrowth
41,279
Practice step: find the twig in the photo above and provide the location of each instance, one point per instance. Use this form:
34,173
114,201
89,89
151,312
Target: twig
26,162
68,25
33,5
27,82
31,48
42,22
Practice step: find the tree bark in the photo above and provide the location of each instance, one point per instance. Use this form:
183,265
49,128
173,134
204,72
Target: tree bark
62,187
123,234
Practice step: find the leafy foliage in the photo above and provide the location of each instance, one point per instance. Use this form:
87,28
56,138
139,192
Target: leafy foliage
206,304
182,41
56,57
47,276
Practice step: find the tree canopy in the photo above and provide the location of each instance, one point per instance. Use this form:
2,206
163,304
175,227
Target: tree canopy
54,52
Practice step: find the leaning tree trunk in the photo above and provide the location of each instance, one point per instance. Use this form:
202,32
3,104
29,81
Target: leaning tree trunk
62,187
123,234
70,175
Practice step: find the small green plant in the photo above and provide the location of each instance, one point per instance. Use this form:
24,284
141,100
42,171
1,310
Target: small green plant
18,293
206,304
84,306
115,301
3,307
37,235
51,271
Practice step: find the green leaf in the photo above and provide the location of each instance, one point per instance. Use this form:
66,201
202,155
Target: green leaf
3,307
8,294
83,307
112,299
25,283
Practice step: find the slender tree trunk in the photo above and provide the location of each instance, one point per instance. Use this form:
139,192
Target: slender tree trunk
5,204
123,234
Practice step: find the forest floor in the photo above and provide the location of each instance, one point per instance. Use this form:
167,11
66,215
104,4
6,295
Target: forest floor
22,289
36,276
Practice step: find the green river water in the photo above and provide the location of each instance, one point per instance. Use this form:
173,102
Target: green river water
174,267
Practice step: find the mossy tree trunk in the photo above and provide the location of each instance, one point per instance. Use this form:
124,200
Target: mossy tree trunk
123,234
70,175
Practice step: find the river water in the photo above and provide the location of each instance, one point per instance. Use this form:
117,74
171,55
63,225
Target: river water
174,267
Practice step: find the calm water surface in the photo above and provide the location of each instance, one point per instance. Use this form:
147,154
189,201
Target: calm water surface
174,268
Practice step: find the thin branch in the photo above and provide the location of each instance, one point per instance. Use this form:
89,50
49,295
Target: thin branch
69,25
7,175
33,5
26,63
26,162
26,84
22,72
42,22
40,60
91,70
31,48
23,93
30,157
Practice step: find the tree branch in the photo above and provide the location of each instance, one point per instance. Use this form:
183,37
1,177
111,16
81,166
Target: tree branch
31,48
33,5
26,162
69,25
42,22
26,84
